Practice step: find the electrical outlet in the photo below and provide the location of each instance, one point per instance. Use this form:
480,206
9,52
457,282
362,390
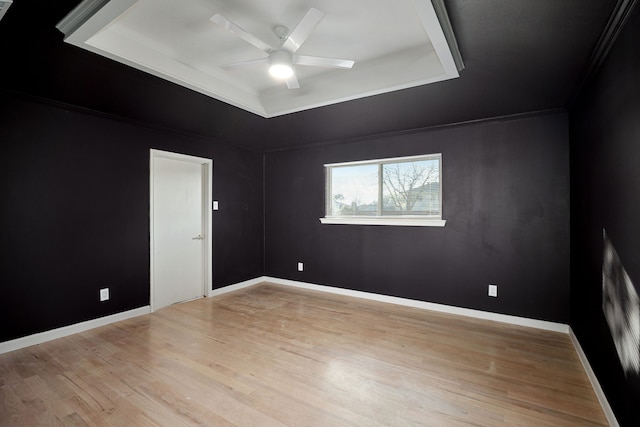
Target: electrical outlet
300,266
104,294
215,205
493,290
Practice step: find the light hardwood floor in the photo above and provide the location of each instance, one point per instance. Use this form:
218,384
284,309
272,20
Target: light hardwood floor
272,356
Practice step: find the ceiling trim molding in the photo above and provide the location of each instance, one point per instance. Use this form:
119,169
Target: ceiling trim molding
447,29
140,123
4,6
616,23
79,15
380,135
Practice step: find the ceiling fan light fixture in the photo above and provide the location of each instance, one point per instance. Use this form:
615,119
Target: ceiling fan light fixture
281,71
281,64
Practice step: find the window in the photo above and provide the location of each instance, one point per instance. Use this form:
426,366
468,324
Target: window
397,191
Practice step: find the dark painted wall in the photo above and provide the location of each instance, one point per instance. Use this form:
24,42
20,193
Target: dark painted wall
605,184
75,213
506,202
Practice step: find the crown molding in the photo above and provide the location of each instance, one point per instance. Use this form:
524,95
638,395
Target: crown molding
79,15
4,6
616,23
447,29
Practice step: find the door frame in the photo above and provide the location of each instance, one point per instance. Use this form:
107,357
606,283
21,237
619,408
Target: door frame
207,203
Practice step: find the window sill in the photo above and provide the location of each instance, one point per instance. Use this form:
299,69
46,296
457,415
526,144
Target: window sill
410,222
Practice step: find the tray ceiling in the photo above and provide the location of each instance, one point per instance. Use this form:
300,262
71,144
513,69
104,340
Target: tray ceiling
395,45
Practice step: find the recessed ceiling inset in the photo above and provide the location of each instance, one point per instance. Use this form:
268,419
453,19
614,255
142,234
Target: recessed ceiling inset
224,48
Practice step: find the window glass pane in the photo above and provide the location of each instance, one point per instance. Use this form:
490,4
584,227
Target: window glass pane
354,190
411,188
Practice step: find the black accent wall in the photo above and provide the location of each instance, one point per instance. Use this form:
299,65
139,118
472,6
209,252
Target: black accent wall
605,193
75,213
75,184
505,199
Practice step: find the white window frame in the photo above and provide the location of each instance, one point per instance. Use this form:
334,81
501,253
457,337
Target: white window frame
399,220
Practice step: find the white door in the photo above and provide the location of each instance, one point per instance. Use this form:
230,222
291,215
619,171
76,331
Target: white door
178,231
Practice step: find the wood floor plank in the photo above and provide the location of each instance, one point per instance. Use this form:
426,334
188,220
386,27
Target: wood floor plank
276,356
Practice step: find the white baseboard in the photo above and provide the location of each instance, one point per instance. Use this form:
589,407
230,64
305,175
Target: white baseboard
608,412
237,286
477,314
53,334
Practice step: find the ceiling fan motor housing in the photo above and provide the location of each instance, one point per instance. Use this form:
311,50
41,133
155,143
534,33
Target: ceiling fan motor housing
281,32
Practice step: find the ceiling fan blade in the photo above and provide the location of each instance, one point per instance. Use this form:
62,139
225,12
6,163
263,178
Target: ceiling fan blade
244,35
292,82
243,64
318,61
302,30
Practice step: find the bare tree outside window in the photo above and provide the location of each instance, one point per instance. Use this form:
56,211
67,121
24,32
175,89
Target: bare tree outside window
411,188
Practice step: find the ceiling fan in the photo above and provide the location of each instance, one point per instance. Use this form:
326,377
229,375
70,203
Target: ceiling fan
282,59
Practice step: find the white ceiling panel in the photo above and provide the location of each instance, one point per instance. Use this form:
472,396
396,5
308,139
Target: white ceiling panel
395,45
